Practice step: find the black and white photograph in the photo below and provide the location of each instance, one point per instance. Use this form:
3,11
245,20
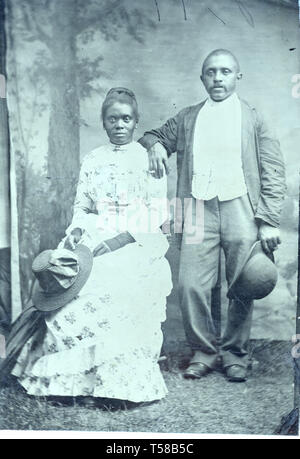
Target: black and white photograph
149,218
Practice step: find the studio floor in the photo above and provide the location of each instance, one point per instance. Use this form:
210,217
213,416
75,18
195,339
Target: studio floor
211,405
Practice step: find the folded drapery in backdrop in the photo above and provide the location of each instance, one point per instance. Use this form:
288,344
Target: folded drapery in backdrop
5,271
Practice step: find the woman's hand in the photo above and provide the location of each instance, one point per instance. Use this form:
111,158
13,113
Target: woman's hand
158,160
115,243
269,237
73,239
101,249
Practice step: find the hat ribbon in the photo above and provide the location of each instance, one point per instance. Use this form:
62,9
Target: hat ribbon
64,267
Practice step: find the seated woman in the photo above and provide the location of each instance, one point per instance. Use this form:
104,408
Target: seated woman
106,342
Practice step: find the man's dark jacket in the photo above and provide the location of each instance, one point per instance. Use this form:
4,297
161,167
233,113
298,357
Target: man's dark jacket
262,160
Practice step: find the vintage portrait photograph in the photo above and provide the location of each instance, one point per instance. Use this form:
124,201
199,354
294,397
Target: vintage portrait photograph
149,217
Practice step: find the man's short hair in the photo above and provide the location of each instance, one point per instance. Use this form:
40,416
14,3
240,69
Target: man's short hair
218,52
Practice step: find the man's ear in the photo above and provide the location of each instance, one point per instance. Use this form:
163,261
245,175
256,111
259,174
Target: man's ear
239,76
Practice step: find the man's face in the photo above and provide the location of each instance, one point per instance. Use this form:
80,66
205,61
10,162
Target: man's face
219,76
119,122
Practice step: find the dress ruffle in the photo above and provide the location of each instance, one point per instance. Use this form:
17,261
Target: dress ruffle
107,341
131,376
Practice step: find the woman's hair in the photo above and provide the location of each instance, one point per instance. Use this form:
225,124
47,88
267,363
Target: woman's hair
123,96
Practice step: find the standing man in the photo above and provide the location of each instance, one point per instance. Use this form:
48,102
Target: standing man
226,158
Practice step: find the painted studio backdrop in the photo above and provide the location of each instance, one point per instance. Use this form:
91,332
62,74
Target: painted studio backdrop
63,56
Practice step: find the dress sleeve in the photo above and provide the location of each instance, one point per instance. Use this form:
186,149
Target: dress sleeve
150,213
158,202
84,213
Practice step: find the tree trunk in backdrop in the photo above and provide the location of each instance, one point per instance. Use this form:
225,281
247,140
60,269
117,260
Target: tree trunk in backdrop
49,32
63,140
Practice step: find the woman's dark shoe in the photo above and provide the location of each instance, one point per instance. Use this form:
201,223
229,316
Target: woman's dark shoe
58,401
236,373
196,370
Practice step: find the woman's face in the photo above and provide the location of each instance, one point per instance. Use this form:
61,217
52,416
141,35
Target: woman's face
119,122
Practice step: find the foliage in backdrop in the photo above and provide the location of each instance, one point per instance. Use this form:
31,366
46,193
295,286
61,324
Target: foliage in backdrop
63,56
55,78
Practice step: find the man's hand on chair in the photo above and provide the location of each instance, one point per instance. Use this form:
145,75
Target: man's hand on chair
158,160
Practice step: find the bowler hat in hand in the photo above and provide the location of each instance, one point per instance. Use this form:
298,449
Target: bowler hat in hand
257,277
61,274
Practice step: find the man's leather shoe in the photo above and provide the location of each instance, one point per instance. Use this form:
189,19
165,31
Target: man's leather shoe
196,371
236,373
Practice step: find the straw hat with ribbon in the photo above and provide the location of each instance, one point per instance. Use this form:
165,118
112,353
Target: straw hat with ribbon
61,274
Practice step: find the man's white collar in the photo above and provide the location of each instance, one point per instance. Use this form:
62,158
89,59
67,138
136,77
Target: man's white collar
231,99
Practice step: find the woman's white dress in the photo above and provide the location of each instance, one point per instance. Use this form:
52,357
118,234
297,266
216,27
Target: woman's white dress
107,341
